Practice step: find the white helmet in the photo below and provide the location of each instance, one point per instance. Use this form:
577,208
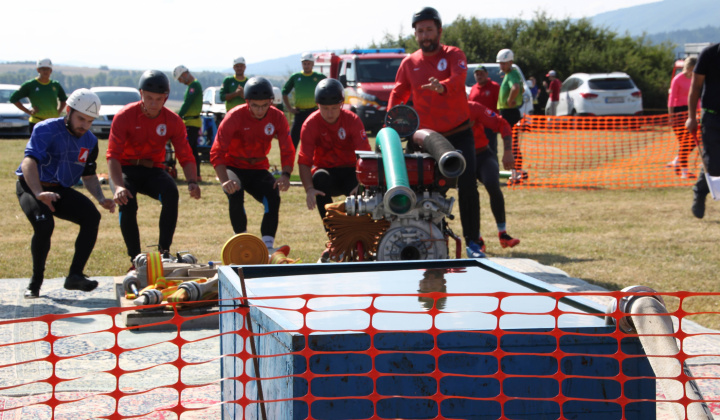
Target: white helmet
45,62
239,60
85,101
277,95
307,56
179,70
505,55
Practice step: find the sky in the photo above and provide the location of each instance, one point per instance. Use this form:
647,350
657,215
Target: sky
208,35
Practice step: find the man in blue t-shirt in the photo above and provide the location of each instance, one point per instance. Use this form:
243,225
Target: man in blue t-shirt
59,153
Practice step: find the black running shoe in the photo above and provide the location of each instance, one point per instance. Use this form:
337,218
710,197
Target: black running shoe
80,282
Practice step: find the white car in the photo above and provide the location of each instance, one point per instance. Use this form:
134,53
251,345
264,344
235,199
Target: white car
212,105
112,100
496,76
599,94
13,122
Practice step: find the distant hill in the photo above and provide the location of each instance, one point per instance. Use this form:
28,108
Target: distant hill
680,38
662,16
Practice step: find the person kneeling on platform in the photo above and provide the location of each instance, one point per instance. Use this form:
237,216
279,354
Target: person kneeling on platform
329,138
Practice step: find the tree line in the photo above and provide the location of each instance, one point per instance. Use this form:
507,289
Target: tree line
566,46
126,78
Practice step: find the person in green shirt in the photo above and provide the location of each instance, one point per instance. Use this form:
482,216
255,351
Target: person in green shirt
510,100
190,109
304,85
232,91
44,95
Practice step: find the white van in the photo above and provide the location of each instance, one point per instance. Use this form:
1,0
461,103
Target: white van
496,75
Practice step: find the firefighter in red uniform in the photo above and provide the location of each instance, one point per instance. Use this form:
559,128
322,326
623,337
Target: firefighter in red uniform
239,156
136,156
486,164
435,77
329,139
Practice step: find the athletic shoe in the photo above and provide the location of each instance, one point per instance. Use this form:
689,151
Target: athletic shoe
474,250
325,256
481,242
507,240
31,293
698,206
80,282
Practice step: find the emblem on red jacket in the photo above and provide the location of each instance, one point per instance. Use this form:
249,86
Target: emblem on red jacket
442,64
342,134
161,130
269,129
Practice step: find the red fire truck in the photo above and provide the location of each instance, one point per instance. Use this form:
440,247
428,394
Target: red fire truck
368,76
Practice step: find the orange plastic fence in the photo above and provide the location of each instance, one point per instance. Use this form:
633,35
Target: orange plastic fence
107,371
605,152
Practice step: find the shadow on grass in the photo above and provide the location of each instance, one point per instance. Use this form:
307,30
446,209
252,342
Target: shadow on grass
550,259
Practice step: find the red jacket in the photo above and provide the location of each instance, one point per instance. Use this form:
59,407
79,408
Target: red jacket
484,117
439,112
486,95
135,136
244,142
326,145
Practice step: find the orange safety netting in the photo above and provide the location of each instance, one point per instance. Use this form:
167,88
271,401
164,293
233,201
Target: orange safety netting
107,371
605,152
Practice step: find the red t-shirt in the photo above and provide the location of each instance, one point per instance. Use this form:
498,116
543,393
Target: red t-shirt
486,95
135,136
244,142
482,117
439,112
554,90
326,145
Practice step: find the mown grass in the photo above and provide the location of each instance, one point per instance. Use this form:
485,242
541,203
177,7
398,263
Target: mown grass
612,238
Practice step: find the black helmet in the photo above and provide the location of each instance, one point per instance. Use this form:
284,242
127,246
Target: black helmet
154,81
329,92
427,13
258,88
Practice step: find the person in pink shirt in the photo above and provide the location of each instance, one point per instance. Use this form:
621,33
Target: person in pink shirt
677,104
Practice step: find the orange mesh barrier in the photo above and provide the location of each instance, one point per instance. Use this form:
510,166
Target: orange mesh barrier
605,152
106,371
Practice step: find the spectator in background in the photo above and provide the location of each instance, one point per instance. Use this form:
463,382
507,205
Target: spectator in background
232,89
542,98
553,93
534,90
59,153
509,102
485,92
190,110
136,161
706,80
326,159
486,165
678,104
435,77
303,83
239,156
277,99
44,95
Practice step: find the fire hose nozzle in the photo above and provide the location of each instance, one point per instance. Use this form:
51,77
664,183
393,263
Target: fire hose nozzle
625,323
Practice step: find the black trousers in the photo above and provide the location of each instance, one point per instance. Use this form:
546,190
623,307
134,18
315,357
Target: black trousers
333,182
298,121
72,206
155,183
259,184
711,150
193,133
468,197
487,171
512,116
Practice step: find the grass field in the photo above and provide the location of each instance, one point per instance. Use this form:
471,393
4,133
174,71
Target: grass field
612,238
